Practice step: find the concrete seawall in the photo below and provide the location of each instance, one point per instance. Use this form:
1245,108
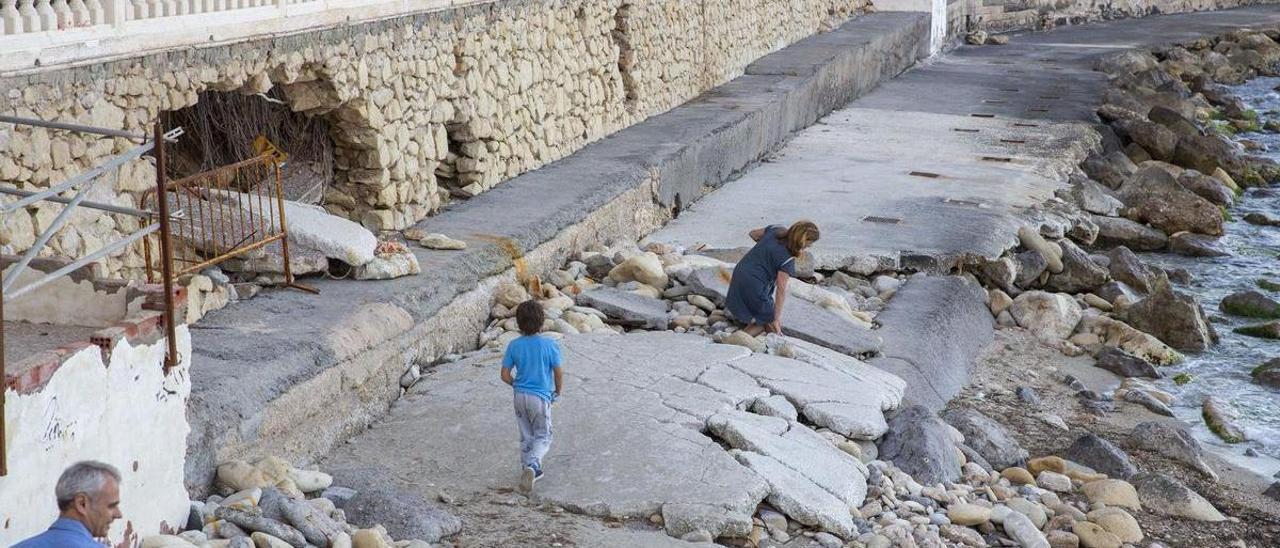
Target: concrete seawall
293,374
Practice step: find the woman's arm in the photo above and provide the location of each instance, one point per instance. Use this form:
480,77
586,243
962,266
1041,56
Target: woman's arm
779,296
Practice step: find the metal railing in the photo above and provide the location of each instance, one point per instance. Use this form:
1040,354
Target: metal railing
82,184
232,211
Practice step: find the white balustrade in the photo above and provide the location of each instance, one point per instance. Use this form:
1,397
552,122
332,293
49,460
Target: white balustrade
10,17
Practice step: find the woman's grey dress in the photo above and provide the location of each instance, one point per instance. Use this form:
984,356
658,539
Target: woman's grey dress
750,297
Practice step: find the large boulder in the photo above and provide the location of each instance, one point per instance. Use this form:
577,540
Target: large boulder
1101,455
1173,317
1205,153
1118,334
1051,317
1093,197
1116,231
1164,495
1159,141
1126,267
1111,170
1207,187
1173,120
627,308
1079,272
403,513
1250,304
1153,196
991,440
645,268
920,444
1173,440
1125,62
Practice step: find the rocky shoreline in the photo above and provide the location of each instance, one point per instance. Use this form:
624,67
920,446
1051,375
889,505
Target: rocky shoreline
1062,440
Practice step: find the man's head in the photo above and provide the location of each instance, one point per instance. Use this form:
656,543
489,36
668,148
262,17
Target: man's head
529,317
89,492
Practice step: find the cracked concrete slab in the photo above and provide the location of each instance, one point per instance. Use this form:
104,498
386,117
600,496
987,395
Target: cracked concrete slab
631,431
933,328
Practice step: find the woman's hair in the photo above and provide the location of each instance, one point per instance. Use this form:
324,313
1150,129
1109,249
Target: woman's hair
801,235
529,316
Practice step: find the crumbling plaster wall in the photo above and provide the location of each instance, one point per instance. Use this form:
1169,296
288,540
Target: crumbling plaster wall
127,413
421,106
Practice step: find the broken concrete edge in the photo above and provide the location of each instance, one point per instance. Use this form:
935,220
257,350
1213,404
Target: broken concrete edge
146,326
331,402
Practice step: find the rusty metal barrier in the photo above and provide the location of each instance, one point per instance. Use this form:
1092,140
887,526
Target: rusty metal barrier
229,212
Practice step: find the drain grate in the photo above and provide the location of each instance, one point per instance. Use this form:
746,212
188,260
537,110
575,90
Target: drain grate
976,115
924,174
1051,97
1014,141
1037,110
1020,124
994,101
881,220
1010,90
961,202
1002,159
965,130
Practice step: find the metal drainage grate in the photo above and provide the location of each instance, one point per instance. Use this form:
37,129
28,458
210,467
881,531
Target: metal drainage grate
924,174
994,101
1010,90
965,130
975,115
1037,110
1013,141
1019,124
1051,97
1002,159
881,220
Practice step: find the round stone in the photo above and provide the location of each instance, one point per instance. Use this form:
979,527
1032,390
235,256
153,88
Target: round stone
1017,475
1112,492
1093,535
1119,523
968,514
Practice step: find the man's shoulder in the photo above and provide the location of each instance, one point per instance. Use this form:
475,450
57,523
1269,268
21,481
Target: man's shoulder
46,539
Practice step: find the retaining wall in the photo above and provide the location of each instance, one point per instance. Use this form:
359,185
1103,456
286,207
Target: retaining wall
419,106
1014,15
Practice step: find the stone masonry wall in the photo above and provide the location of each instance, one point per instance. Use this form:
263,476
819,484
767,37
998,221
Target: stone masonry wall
1011,15
421,107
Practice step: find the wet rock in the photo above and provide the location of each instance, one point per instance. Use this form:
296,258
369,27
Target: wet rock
1174,441
1207,187
1101,455
1051,317
1262,219
1117,231
1145,399
1126,267
1268,373
1112,492
1251,304
1159,141
991,440
1125,62
1153,196
1125,364
1079,273
1273,492
404,514
1269,330
1220,419
1164,495
1173,317
1195,245
920,444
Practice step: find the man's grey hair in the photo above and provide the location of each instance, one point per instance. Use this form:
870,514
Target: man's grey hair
86,477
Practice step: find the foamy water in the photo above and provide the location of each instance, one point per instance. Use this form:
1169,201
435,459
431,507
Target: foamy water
1223,371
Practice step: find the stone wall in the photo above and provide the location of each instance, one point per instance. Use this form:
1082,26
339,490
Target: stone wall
1011,15
421,107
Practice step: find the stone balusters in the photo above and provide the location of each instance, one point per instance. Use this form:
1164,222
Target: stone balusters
10,17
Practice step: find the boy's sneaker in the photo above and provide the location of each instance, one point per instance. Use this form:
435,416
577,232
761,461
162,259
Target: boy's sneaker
527,478
537,474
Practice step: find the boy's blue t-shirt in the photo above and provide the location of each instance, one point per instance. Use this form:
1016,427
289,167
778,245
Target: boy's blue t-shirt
533,358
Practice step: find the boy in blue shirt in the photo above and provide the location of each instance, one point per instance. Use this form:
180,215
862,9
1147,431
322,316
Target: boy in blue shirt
536,361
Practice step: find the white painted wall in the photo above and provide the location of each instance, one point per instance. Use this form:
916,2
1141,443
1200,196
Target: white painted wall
127,414
936,8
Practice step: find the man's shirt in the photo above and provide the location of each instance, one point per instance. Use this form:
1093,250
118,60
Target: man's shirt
64,533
